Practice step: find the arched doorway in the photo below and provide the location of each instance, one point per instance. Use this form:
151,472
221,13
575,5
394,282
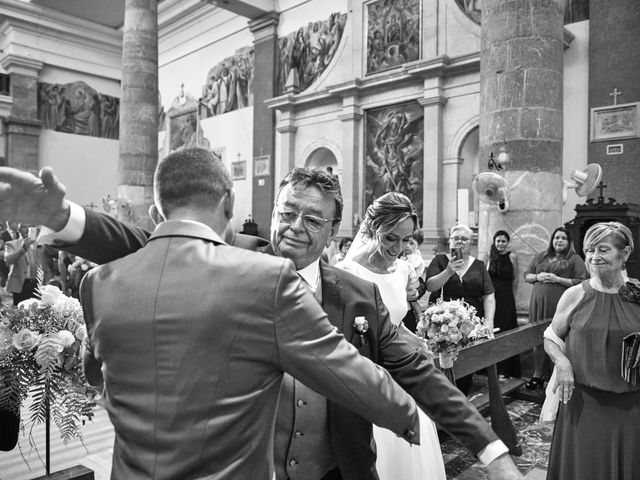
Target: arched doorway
322,158
469,166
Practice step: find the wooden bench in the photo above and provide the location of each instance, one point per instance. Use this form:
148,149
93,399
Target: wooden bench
487,354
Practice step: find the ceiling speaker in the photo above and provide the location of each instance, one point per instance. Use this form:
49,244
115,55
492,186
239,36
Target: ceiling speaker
583,181
492,189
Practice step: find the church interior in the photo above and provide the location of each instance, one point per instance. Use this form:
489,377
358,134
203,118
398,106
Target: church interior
517,115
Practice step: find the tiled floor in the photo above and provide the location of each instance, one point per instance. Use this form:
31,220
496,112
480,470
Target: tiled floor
534,439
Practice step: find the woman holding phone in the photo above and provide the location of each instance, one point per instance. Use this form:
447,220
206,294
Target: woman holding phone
460,276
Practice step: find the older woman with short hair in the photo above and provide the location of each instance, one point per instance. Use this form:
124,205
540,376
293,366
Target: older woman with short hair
597,431
464,277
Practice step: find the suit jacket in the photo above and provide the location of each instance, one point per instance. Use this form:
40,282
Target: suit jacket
344,297
18,265
192,369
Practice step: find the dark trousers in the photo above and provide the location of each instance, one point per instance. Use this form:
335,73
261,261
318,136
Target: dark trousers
28,291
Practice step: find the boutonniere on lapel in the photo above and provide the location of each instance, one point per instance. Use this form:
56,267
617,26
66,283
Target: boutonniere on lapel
361,326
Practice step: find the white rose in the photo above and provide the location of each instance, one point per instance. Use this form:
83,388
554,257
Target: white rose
25,338
66,337
27,304
50,294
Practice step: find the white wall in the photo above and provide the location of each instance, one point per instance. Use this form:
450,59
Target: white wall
576,111
87,166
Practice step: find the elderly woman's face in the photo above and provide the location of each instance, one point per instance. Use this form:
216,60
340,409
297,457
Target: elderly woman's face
460,238
605,257
560,242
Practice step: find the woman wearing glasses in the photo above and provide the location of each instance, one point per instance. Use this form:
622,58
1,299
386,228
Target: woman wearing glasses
374,256
460,276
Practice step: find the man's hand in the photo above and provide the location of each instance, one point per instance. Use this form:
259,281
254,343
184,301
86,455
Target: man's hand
26,198
503,468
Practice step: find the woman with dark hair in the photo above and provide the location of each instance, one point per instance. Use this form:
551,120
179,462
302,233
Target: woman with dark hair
551,272
593,340
385,232
502,266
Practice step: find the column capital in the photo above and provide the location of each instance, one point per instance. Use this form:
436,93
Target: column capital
265,26
22,65
287,129
437,100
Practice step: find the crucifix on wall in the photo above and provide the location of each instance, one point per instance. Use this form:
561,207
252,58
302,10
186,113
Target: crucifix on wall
615,94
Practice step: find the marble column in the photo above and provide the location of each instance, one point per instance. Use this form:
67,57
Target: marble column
352,173
139,107
22,126
433,104
265,30
521,96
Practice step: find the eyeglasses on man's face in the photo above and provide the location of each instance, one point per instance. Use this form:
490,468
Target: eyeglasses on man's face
309,222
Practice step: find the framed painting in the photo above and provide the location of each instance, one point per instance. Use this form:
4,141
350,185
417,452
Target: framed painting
183,125
394,151
393,33
615,121
239,170
261,166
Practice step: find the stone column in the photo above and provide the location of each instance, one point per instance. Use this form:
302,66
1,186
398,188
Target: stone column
139,106
433,103
521,111
352,171
22,125
265,30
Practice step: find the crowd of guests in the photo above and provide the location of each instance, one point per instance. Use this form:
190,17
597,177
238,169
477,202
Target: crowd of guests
369,291
21,257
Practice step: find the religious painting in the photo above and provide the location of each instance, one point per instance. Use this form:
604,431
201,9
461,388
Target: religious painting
393,33
77,108
239,170
306,53
229,84
261,166
182,127
394,146
615,121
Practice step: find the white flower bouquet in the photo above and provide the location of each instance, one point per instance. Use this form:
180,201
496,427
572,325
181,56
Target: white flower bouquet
40,342
447,326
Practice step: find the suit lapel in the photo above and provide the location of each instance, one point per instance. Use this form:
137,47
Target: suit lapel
331,295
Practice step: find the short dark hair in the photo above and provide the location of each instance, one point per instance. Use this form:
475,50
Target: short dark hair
386,212
324,181
344,241
192,176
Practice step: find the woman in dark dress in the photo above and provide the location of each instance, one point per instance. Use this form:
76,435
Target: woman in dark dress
551,272
502,266
597,430
464,278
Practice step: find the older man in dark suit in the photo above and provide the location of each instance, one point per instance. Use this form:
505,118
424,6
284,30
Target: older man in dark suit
335,443
192,336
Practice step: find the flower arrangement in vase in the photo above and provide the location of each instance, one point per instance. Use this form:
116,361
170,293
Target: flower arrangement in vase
40,344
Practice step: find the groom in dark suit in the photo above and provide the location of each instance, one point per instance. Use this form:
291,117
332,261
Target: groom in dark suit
335,443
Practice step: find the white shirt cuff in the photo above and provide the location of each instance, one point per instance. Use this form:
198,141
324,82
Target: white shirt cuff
71,232
492,451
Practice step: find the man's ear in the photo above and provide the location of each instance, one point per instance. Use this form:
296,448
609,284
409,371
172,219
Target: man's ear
229,200
156,216
334,232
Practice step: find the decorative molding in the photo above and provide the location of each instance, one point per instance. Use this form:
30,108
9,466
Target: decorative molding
438,100
22,65
287,129
23,126
265,27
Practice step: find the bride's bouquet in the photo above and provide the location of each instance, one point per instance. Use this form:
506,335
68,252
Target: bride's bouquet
40,343
447,326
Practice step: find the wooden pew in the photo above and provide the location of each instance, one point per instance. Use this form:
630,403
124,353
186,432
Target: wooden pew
487,354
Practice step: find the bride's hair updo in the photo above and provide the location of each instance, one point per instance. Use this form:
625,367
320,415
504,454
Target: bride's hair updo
386,212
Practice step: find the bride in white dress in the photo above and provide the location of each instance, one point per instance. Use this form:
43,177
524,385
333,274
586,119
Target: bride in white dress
385,231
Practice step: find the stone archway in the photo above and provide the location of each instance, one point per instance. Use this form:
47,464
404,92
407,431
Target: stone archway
322,158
